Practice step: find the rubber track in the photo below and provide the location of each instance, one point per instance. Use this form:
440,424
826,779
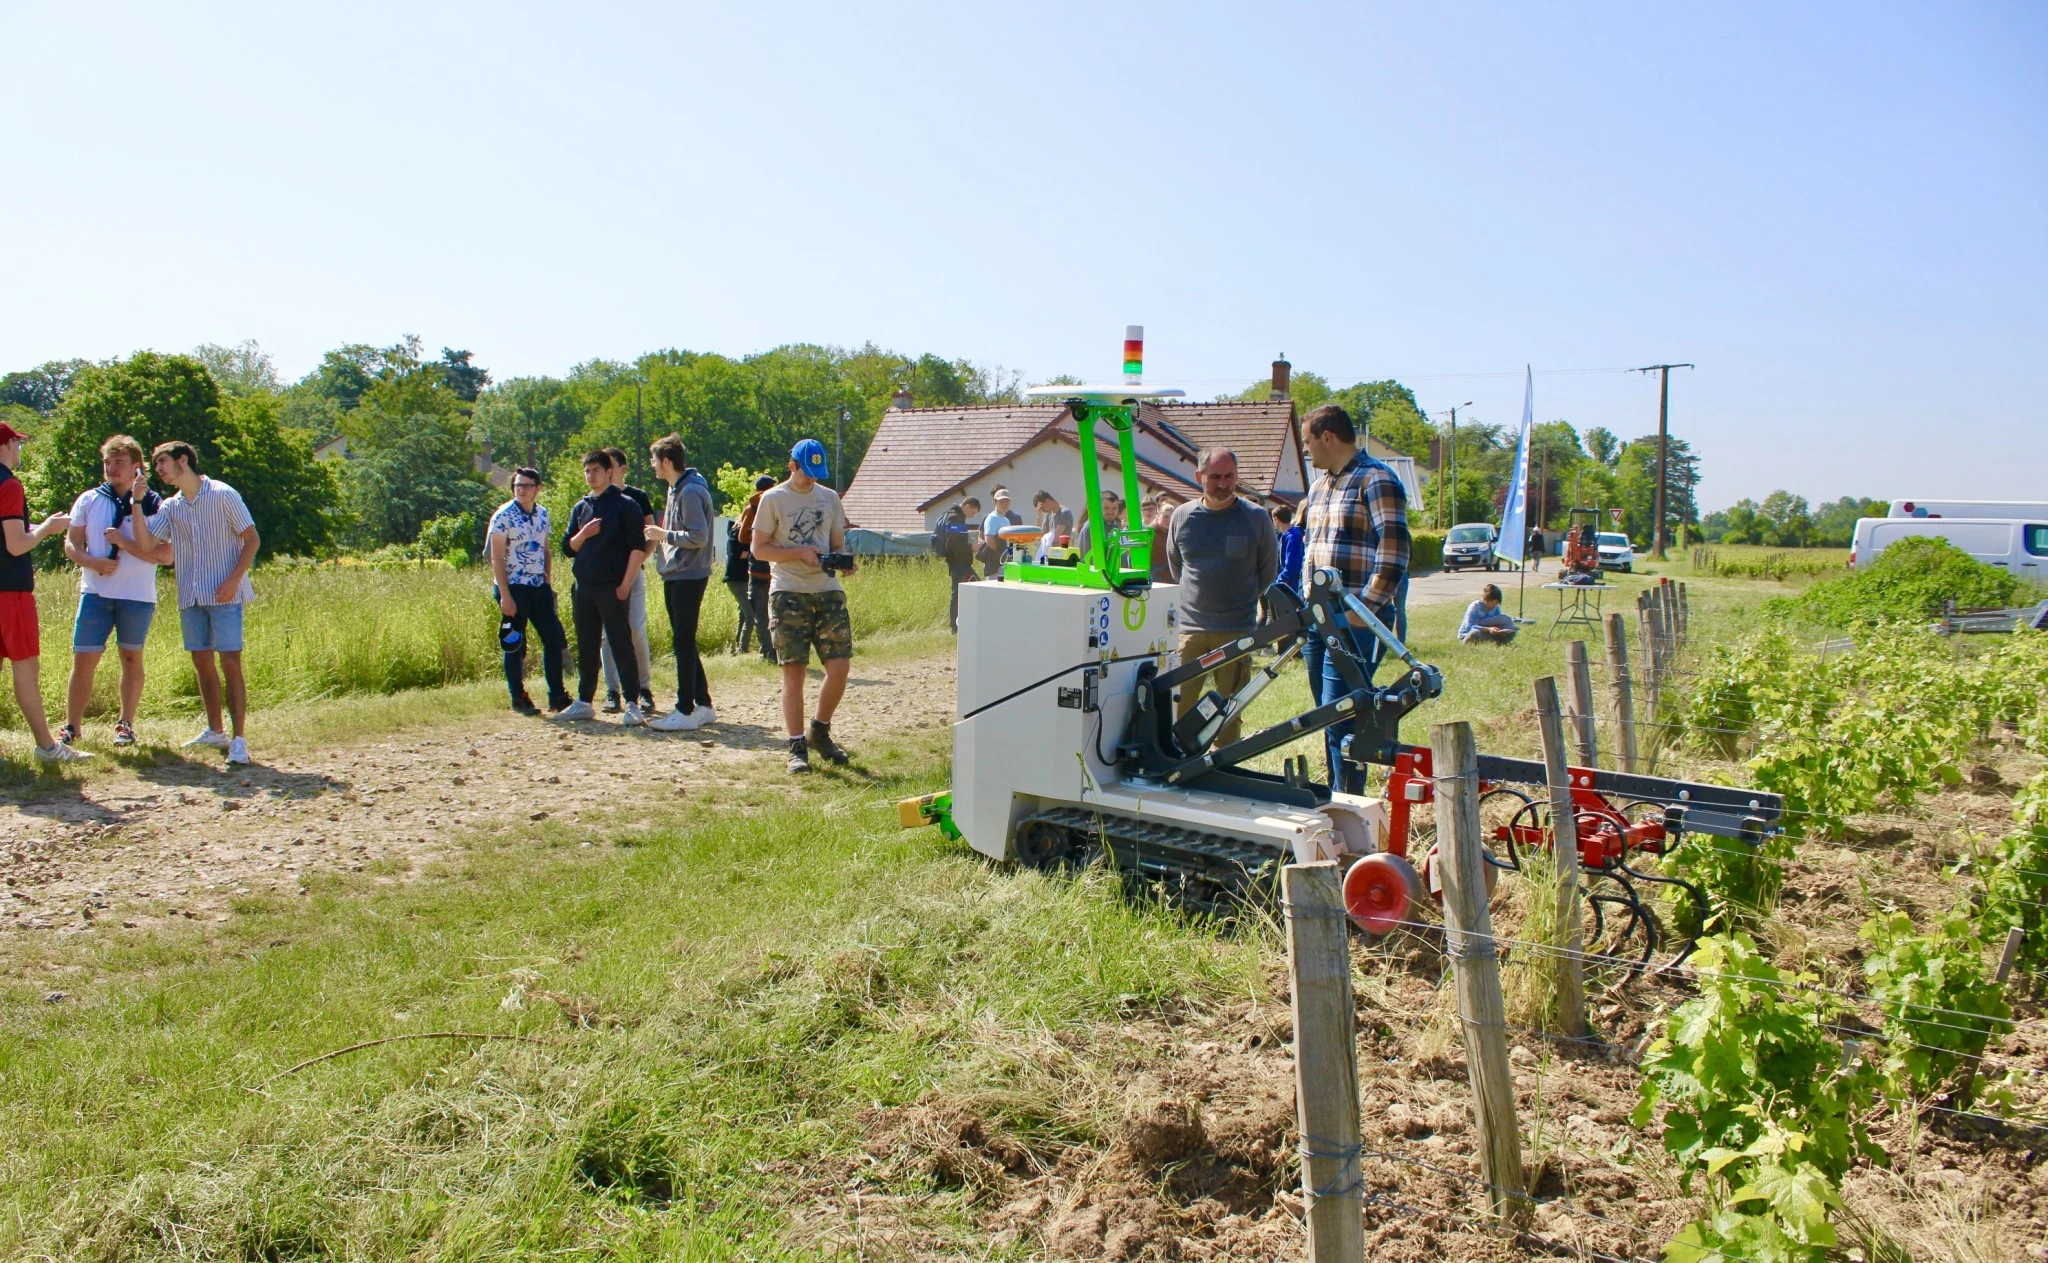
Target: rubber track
1209,872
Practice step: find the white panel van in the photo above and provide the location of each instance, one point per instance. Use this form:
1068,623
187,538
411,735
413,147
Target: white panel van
2016,544
2035,509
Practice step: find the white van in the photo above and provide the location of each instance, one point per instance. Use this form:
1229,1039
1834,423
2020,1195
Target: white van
2036,509
2017,544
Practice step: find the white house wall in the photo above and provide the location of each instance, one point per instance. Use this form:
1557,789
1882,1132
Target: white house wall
1051,465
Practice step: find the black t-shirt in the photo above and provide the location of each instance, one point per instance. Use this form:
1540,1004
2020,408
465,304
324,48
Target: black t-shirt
639,497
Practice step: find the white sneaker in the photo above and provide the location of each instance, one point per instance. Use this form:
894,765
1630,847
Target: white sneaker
632,718
703,715
578,709
674,721
238,750
61,753
211,737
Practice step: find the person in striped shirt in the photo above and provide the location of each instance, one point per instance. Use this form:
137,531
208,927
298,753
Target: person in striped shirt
215,542
1354,521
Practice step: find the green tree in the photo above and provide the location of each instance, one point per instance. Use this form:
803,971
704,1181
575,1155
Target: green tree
1834,523
242,369
1636,488
1602,446
295,500
43,387
463,379
346,373
1786,521
415,477
155,398
528,420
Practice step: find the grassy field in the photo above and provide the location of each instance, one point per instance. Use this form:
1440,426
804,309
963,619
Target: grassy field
321,633
745,988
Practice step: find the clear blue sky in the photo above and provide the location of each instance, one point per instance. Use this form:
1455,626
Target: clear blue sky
1839,212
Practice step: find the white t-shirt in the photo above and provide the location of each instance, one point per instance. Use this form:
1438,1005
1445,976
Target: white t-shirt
793,519
136,578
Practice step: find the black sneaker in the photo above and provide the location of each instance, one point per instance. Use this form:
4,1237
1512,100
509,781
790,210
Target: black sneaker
612,705
647,706
525,706
799,756
821,741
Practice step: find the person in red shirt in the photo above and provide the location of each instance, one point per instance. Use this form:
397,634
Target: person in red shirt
20,634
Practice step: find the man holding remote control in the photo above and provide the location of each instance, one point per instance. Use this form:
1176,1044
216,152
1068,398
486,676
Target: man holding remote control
800,531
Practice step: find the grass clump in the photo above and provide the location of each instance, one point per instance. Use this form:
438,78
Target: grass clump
1908,580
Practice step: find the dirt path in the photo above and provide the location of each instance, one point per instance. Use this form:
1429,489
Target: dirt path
141,842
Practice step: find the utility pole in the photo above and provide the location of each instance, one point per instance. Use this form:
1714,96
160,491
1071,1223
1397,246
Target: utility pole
1663,372
839,443
639,428
1450,513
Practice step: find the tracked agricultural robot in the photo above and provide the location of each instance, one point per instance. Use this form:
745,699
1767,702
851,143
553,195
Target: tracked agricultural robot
1067,750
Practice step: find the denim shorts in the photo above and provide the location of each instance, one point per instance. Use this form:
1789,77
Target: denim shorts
99,617
211,627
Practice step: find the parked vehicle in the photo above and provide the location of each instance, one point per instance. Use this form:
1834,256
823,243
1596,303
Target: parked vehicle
1616,553
2035,509
2016,544
1471,544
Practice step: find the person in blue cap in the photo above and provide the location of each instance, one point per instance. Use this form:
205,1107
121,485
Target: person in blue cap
798,522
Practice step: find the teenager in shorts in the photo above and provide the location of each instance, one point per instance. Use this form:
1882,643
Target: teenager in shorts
116,589
215,541
798,522
20,633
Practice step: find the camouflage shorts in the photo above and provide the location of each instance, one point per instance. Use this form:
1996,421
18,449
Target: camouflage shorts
799,620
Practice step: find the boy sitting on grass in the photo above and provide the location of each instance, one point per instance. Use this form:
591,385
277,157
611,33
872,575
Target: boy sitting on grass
20,632
1484,620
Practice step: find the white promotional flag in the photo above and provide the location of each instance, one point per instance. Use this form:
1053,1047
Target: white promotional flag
1514,511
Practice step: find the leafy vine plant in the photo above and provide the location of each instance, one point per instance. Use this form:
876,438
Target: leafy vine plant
1759,1099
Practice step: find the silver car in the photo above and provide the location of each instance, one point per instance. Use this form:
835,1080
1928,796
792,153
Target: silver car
1471,544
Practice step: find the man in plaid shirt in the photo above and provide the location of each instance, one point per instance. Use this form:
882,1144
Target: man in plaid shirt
1356,522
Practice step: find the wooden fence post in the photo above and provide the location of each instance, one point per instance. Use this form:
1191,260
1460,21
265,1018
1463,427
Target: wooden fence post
1684,612
1657,664
2010,954
1671,629
1475,963
1568,966
1325,1062
1578,675
1624,694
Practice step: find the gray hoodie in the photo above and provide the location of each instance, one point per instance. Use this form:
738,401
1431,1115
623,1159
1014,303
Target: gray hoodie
688,518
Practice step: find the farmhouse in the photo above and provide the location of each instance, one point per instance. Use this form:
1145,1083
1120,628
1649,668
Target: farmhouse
924,460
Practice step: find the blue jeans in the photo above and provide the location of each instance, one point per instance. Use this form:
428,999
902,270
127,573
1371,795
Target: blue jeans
1326,686
211,628
99,617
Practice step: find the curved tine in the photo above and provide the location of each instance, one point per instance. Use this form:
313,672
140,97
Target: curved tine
1530,808
1514,860
1699,903
1642,915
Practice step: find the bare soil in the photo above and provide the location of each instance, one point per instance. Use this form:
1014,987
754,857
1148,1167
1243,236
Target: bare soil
144,839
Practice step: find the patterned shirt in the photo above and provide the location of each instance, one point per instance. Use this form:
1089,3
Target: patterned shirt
1355,522
206,534
526,543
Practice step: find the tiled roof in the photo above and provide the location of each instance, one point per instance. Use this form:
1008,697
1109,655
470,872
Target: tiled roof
1256,431
919,453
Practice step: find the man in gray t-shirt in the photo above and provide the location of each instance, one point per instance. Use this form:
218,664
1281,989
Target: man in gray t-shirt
1224,556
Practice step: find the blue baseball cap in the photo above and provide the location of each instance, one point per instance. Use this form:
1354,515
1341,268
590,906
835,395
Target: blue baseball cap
809,455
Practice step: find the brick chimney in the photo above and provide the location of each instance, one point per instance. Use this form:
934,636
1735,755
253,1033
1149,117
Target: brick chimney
901,399
1282,376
